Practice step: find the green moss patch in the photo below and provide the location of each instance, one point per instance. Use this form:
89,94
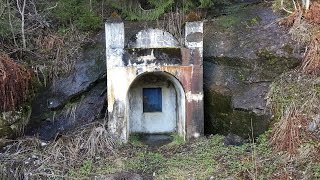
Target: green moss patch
220,118
13,123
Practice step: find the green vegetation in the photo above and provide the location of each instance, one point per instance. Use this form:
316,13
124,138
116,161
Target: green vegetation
83,171
132,10
317,171
253,21
177,140
202,159
78,13
135,139
228,21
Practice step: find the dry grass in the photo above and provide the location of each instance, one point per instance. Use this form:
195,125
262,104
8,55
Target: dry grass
294,99
30,158
311,62
292,19
288,132
57,53
313,15
302,32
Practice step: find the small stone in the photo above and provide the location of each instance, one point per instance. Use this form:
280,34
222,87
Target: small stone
312,127
233,139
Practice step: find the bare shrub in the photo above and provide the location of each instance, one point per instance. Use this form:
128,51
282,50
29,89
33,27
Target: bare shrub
173,22
30,158
57,53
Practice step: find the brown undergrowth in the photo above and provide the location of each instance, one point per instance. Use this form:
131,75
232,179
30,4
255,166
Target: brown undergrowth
313,14
295,96
15,84
311,61
288,132
30,158
57,53
294,99
305,29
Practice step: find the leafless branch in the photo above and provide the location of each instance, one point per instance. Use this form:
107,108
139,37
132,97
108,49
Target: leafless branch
11,26
21,9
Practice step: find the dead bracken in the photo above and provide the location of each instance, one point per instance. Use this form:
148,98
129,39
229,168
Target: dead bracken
311,62
15,84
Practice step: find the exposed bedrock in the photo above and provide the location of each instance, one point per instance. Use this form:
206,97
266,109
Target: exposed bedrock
244,52
75,99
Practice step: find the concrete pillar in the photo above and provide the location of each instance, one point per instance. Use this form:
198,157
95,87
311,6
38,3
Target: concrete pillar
195,112
116,77
114,34
194,36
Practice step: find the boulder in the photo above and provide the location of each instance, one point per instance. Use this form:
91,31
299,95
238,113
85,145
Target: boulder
233,140
244,52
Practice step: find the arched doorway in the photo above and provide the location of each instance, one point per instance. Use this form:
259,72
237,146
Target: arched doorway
156,104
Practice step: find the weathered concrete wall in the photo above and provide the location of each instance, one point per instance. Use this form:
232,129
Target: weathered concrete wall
153,38
153,56
153,122
114,43
119,98
185,73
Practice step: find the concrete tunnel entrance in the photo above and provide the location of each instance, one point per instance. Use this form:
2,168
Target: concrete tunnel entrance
155,82
156,102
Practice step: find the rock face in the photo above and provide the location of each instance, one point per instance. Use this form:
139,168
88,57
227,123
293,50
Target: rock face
243,52
75,99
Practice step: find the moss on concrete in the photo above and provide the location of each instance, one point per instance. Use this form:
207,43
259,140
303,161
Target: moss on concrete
228,61
288,49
